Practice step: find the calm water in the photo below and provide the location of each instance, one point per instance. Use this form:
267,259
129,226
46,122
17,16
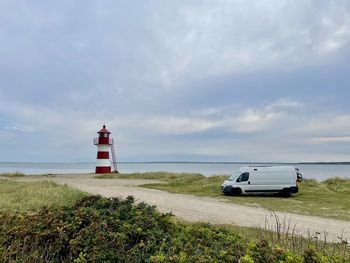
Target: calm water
315,171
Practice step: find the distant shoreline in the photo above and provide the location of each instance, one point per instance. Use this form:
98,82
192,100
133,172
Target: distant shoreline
195,162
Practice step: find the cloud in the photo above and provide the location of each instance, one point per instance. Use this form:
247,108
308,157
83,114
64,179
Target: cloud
254,120
140,52
19,129
249,79
224,118
330,140
284,103
233,36
279,131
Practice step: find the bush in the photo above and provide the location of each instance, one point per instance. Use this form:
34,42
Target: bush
97,229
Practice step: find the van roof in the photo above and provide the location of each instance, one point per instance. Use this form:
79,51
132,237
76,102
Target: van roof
267,168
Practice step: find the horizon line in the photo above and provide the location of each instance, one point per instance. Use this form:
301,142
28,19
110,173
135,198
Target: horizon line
218,162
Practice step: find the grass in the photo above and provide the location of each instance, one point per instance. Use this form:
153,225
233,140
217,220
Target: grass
16,174
326,199
30,196
97,229
152,175
87,228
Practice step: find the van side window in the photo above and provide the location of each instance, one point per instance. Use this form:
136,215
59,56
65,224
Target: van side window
243,177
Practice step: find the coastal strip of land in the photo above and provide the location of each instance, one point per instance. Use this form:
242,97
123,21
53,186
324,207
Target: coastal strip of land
203,209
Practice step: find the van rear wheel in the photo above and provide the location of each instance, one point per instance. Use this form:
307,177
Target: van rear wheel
286,192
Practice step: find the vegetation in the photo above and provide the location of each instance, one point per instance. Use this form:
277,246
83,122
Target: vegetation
96,229
326,199
151,175
30,196
16,174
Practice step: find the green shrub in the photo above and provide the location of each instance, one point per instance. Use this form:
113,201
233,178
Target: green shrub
97,229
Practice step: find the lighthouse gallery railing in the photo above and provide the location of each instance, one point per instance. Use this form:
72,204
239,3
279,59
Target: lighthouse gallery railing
102,140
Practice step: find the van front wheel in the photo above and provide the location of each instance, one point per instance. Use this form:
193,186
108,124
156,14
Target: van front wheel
236,191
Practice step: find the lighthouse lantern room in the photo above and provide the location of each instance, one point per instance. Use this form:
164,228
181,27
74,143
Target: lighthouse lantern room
105,145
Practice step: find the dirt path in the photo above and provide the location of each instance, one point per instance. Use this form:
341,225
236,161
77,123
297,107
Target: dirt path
203,209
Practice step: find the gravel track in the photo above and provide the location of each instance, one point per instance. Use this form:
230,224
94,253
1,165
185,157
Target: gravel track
203,209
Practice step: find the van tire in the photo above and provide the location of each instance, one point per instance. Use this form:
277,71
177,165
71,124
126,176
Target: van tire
286,192
236,191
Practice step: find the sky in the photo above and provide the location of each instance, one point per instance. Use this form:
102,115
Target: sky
184,80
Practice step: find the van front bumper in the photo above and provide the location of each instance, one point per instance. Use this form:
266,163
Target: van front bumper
226,189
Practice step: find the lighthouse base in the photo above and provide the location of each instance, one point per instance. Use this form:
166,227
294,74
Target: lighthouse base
103,170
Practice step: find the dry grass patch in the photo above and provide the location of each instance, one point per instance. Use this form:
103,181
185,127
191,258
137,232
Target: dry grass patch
16,174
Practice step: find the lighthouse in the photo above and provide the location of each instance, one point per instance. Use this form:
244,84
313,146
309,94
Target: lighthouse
105,145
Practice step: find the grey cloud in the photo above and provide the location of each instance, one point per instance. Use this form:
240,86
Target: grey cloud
187,78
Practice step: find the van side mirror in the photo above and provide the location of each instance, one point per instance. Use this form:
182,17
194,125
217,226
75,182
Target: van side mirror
238,180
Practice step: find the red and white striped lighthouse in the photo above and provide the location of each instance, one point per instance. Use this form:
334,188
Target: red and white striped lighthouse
104,147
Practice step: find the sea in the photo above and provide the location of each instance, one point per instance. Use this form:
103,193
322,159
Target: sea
320,172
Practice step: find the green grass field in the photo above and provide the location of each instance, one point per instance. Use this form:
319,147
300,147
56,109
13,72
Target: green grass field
29,196
327,199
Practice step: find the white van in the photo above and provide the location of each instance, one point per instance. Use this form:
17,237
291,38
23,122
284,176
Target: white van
262,180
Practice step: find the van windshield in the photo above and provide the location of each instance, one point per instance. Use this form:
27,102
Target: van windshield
234,176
